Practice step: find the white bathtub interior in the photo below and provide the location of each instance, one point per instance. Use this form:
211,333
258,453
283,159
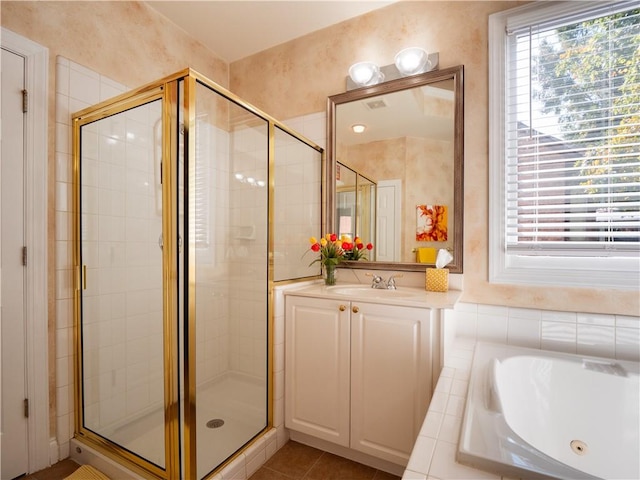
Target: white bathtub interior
537,414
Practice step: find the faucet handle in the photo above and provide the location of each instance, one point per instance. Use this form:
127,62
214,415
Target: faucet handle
375,280
391,283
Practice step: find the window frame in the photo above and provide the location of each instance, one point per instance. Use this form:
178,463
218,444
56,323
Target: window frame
517,268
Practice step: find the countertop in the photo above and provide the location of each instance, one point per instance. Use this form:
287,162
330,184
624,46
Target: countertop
403,296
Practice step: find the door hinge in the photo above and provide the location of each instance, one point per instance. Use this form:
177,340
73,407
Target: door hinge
24,256
25,101
26,408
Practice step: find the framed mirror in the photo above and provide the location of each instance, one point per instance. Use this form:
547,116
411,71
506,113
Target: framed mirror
411,150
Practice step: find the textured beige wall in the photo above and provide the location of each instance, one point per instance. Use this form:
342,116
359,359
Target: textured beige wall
295,79
125,41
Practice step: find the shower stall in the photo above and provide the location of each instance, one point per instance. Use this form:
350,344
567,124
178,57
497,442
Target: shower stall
174,234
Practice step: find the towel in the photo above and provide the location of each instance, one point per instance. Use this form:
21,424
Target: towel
425,255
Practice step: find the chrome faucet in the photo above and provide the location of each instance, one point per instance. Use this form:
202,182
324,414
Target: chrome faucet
391,283
378,282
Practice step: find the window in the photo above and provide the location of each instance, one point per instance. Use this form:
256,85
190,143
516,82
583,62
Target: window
565,144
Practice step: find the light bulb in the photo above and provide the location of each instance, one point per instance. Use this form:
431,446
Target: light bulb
411,61
365,74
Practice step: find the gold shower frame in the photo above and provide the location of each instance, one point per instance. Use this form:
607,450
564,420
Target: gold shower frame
166,90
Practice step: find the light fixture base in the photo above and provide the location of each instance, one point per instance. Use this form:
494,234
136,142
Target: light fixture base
391,72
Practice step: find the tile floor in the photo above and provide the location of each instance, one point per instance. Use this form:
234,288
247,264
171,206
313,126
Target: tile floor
58,471
294,461
297,461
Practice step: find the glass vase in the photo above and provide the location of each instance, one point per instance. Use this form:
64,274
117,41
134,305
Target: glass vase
329,274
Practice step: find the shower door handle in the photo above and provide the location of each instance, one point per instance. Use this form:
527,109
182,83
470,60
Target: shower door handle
161,243
80,278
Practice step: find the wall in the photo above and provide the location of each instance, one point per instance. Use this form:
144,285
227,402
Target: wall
296,78
131,44
601,335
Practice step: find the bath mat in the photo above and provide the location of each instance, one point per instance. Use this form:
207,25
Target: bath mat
87,472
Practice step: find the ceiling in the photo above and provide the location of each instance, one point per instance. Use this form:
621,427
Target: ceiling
237,29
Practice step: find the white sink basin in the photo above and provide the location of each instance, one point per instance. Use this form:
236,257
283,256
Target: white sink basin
365,291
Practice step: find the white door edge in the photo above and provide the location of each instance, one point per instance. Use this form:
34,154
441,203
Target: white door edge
397,185
37,64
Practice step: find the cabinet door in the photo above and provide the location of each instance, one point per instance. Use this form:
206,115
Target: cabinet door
390,378
317,368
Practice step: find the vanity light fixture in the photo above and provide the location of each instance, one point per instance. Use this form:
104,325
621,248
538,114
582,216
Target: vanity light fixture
358,128
411,61
365,74
408,61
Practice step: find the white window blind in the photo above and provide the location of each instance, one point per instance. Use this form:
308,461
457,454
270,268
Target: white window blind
572,137
200,209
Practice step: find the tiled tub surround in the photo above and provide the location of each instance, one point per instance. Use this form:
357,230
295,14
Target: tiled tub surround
434,454
610,336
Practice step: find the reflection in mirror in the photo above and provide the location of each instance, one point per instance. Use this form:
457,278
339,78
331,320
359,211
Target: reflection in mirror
355,206
411,154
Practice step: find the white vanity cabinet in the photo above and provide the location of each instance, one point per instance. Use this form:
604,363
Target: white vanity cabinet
317,368
358,374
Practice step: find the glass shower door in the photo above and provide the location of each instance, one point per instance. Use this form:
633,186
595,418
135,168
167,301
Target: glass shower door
228,251
121,300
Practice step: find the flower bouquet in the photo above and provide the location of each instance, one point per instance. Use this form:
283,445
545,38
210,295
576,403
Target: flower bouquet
333,251
357,250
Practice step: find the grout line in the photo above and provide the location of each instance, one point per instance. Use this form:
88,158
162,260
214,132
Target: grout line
275,471
311,467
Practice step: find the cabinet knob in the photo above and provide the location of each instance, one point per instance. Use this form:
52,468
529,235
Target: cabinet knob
355,309
342,308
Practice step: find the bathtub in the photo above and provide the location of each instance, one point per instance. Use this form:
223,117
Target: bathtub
537,414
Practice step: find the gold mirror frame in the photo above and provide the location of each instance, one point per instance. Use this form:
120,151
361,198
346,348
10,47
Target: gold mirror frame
452,73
